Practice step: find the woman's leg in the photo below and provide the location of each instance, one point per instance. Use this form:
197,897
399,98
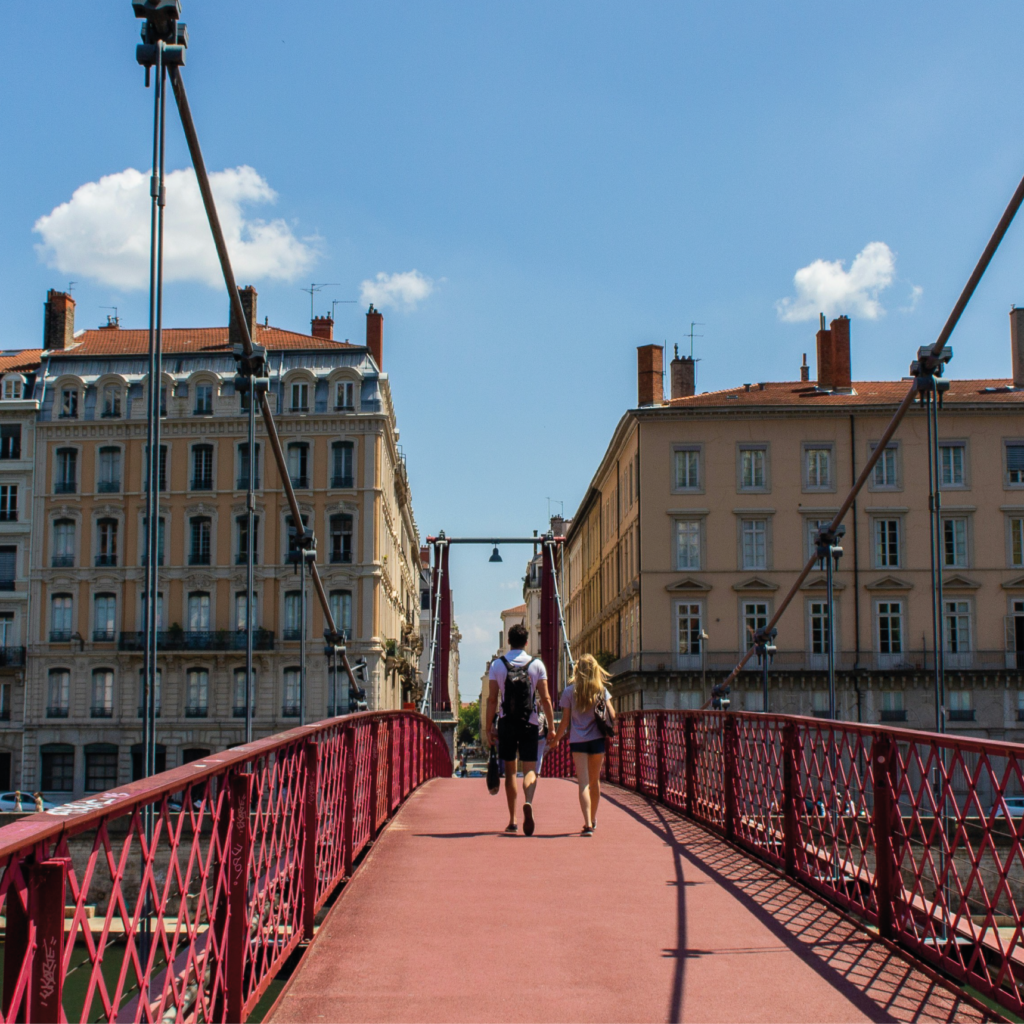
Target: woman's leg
594,775
583,779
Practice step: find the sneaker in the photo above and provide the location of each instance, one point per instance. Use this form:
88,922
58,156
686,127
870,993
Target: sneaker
511,828
588,830
528,819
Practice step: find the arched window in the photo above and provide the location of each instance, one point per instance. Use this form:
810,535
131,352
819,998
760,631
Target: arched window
341,611
102,693
58,695
63,543
100,767
66,481
106,535
109,476
69,402
342,474
61,611
198,611
104,618
204,400
345,395
137,762
300,396
291,705
58,767
199,547
198,693
202,467
293,615
111,401
298,463
341,538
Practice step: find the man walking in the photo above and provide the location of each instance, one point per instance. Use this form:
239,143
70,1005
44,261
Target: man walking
517,682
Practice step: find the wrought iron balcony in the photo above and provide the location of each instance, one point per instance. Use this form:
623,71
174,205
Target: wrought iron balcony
65,487
142,712
63,561
242,484
343,481
239,712
101,712
195,711
960,715
341,556
104,636
60,636
106,560
300,481
199,640
894,714
8,515
291,634
56,712
108,487
290,710
202,483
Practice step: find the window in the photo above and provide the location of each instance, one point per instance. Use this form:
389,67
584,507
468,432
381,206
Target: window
341,611
341,464
13,387
157,696
954,543
106,531
887,543
290,707
814,527
293,615
890,627
688,544
8,566
688,624
1014,463
884,473
820,704
199,544
58,767
102,693
100,767
752,469
8,503
959,706
204,400
58,694
687,469
300,397
242,538
818,468
69,403
755,617
161,477
341,538
951,465
7,637
110,471
61,627
243,467
10,441
63,543
104,618
293,539
298,464
892,706
111,401
1017,542
67,471
238,708
159,760
159,540
345,395
241,599
818,611
159,610
754,546
198,612
197,694
958,627
202,467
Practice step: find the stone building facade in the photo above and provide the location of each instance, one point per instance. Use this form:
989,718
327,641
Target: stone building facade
702,513
337,424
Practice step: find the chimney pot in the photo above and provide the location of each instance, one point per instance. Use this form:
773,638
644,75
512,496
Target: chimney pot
248,297
323,327
58,321
682,377
650,385
805,370
375,335
1017,345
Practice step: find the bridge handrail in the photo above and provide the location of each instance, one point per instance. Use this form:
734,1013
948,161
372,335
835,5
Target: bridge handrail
247,844
907,830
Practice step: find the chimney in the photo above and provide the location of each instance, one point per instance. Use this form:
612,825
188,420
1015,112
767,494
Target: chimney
248,297
840,331
375,335
805,370
58,321
826,360
681,376
323,327
650,383
1017,345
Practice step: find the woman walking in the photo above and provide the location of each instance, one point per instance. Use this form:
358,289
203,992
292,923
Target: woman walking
584,699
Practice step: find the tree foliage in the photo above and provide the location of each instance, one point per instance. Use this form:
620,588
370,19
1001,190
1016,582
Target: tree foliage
469,723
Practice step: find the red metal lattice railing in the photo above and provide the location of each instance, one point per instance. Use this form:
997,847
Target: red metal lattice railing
193,923
910,831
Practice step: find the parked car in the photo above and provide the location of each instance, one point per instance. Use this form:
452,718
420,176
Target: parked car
28,803
1014,806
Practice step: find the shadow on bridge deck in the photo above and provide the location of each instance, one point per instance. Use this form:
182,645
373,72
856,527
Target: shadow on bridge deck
651,919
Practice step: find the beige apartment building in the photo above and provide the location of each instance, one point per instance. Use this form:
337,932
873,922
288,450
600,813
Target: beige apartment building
703,512
338,428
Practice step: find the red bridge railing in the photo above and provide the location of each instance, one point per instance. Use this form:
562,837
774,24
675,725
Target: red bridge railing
195,921
916,833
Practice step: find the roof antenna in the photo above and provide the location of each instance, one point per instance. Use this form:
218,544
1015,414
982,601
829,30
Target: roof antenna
315,287
821,322
339,302
71,287
692,335
112,321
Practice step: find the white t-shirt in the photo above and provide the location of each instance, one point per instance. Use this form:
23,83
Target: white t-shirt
537,673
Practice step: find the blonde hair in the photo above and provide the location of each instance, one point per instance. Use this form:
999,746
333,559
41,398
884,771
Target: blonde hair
588,679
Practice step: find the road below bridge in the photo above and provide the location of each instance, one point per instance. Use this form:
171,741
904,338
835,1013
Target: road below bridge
652,919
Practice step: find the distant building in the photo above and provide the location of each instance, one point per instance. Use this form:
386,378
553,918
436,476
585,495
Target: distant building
703,511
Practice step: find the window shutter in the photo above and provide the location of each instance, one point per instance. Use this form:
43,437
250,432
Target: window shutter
1015,457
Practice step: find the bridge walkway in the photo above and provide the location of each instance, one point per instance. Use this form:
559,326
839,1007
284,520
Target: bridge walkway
651,919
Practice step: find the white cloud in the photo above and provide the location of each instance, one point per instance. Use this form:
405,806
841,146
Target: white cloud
403,289
825,287
102,231
916,291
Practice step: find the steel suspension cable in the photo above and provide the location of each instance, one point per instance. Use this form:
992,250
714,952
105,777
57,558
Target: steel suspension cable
550,545
434,631
936,351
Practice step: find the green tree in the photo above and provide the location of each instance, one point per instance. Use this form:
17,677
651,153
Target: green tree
469,723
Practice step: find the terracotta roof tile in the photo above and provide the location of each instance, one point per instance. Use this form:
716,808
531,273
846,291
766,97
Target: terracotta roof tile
520,609
886,392
189,341
27,361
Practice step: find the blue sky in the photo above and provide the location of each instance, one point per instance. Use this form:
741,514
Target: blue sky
571,180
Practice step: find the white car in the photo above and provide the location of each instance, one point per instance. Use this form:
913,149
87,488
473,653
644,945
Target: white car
28,804
1014,806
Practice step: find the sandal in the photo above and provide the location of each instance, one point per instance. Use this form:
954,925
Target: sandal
511,829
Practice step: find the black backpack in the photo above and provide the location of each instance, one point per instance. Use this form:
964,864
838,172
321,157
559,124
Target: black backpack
517,703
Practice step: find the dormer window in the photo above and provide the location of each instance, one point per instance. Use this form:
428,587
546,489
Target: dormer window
204,399
111,402
13,387
300,397
346,395
69,403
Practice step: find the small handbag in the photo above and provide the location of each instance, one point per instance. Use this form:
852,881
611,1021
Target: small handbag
493,775
603,717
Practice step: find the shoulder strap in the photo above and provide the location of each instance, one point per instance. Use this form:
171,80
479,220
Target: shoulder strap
508,667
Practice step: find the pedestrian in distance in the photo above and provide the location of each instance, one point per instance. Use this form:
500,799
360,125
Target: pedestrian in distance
518,682
586,698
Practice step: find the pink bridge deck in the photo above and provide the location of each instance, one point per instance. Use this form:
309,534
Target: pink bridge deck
652,919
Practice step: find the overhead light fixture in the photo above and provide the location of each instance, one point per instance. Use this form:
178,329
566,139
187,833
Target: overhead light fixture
495,557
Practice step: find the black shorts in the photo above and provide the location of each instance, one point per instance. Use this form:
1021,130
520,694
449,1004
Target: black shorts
517,739
588,746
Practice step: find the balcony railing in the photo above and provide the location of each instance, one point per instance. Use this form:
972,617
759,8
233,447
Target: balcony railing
104,636
202,558
108,487
65,487
290,710
106,560
893,714
63,561
60,636
195,710
300,482
142,712
343,481
8,515
199,640
242,484
202,483
291,634
56,712
101,712
960,715
239,712
5,714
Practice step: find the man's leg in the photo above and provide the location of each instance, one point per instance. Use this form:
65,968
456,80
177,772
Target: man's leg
529,780
510,789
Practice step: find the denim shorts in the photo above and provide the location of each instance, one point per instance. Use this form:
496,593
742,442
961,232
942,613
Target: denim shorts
588,746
